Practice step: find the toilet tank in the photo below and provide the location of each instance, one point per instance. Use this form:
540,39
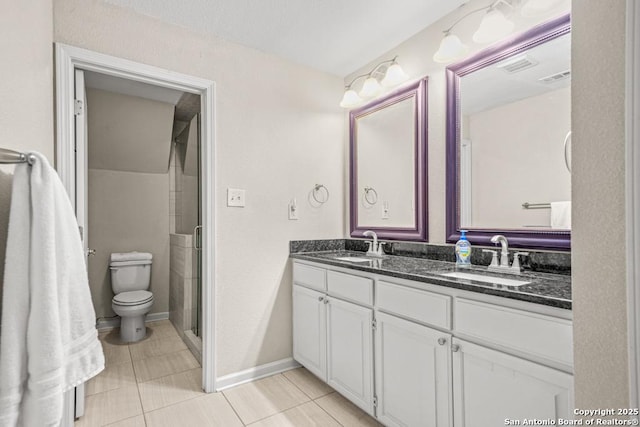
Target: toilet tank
130,272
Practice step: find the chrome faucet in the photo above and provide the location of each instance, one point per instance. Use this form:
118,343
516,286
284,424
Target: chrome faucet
504,254
375,248
504,257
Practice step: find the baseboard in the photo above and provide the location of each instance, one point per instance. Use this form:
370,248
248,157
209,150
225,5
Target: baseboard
105,324
258,372
157,316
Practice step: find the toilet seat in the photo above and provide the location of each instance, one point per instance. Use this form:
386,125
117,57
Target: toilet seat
132,298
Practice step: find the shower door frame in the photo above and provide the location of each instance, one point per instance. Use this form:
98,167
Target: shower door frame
68,59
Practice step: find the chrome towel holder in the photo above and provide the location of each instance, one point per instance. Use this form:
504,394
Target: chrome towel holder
370,195
318,191
10,157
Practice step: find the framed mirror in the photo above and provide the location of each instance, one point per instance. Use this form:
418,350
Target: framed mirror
388,146
508,141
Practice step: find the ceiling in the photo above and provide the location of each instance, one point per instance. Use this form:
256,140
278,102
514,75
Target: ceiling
335,36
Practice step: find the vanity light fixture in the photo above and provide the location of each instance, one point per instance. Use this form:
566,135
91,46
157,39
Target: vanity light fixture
372,86
494,25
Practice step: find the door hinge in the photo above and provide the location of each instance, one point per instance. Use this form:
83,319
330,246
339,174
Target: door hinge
374,324
375,401
78,107
81,230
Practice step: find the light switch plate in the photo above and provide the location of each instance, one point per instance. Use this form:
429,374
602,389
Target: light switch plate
235,197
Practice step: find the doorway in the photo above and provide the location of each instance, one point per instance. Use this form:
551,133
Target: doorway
71,161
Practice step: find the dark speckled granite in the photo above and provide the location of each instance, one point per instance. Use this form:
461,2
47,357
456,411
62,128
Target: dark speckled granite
316,245
547,289
541,262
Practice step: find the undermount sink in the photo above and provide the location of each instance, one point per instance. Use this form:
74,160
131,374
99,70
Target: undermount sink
353,258
486,279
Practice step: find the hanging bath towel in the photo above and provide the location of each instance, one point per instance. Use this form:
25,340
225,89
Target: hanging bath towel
48,340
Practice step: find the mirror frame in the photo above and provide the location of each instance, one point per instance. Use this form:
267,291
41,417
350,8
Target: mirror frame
417,90
541,239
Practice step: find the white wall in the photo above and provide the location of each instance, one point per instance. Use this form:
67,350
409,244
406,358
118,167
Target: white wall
26,87
128,212
416,57
598,239
279,131
128,133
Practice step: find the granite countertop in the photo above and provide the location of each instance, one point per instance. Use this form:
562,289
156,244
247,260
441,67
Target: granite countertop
547,289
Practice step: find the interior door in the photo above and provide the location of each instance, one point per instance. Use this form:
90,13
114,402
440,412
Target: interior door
81,188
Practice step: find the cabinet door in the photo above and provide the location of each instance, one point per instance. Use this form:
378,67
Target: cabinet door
350,352
413,374
491,387
309,330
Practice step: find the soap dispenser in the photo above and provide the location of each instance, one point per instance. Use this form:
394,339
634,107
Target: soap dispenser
463,251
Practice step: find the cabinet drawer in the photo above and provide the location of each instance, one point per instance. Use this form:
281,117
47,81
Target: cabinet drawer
311,277
426,307
531,333
355,288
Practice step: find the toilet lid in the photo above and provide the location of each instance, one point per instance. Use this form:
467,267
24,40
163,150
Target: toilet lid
133,298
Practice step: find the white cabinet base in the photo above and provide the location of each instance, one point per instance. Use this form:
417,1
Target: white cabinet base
350,352
491,386
413,374
309,330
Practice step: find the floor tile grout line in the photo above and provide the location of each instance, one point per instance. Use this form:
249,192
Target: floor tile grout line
171,404
232,407
295,385
168,375
284,410
138,388
327,412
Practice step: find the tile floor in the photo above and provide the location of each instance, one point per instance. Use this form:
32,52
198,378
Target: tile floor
157,383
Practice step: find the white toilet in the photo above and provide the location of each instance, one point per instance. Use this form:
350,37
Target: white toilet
130,279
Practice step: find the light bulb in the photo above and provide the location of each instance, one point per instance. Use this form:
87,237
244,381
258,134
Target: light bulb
394,76
350,99
451,48
370,88
494,26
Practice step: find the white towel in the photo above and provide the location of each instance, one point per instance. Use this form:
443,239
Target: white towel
130,256
561,215
48,341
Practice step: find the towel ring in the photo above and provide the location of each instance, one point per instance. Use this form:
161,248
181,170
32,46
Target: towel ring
370,195
567,141
318,189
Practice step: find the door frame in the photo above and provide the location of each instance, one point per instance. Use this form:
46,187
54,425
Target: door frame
632,193
69,58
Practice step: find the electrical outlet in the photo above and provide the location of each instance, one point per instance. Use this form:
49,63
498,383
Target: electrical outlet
293,210
235,197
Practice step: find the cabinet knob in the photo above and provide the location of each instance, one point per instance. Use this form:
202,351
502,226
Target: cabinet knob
320,298
455,348
442,341
326,300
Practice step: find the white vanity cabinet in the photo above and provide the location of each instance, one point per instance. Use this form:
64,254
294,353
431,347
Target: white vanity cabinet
413,373
435,356
491,386
333,330
350,351
310,330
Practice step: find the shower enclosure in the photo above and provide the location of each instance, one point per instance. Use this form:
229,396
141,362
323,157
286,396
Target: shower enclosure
185,299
